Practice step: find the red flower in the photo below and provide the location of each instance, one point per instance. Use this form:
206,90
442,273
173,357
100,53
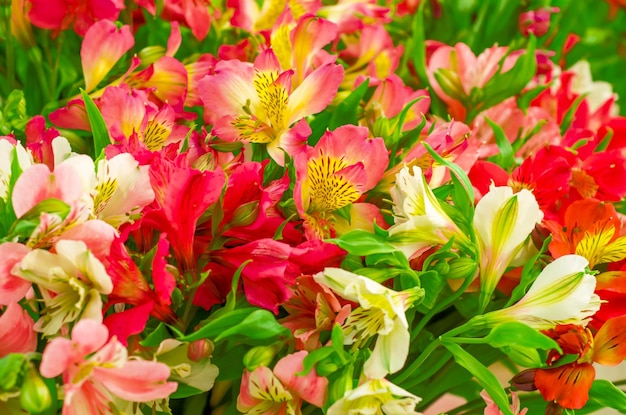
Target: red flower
568,386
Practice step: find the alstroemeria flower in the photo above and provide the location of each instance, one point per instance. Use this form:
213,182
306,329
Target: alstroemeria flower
493,409
343,165
103,46
419,220
563,293
255,103
381,312
503,222
122,189
281,391
591,229
376,396
97,371
16,331
12,287
71,283
59,15
312,309
567,386
7,149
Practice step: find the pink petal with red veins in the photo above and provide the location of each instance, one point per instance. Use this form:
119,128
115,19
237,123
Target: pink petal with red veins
311,387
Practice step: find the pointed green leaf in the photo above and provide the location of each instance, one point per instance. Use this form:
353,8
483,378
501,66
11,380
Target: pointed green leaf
101,137
485,378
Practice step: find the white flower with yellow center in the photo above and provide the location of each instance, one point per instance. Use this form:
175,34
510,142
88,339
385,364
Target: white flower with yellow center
419,219
376,396
381,312
503,221
122,189
563,293
71,282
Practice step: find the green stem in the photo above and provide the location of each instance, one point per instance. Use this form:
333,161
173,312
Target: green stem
408,372
8,45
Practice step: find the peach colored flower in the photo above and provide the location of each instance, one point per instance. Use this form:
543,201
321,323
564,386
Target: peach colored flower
96,371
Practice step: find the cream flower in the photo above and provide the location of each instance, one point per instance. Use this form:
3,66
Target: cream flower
381,312
420,221
6,159
376,396
563,293
122,190
503,222
71,282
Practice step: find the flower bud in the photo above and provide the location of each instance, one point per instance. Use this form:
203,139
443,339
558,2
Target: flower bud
260,356
245,214
525,380
151,54
536,22
461,268
199,350
35,395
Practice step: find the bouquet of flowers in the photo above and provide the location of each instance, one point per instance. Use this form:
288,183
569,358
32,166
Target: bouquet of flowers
311,207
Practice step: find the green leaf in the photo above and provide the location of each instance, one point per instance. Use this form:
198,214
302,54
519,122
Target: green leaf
11,368
504,85
608,395
258,325
458,173
361,242
101,137
156,336
519,334
485,378
506,157
184,391
216,326
346,112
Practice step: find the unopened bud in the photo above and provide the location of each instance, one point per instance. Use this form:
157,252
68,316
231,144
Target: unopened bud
151,54
442,267
461,268
260,356
525,380
200,349
35,395
326,367
245,214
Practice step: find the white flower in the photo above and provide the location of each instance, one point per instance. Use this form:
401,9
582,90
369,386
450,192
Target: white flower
563,293
503,222
381,312
420,221
122,190
376,396
6,159
71,282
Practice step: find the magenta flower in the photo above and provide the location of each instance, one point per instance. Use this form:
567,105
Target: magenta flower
96,371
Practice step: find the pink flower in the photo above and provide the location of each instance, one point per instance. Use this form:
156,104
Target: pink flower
80,14
12,287
343,165
537,21
103,46
492,408
281,391
16,331
96,370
